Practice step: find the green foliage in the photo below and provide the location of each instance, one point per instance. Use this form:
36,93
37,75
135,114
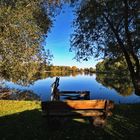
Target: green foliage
113,73
89,70
105,28
22,26
24,74
112,66
109,29
69,69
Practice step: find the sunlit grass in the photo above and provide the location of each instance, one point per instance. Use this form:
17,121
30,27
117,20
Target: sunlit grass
8,107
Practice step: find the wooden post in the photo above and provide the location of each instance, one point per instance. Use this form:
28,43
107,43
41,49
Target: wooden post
87,95
55,90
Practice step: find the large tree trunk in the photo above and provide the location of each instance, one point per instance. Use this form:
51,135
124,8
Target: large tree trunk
133,69
136,83
134,73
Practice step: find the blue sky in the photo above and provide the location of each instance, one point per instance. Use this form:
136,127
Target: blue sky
58,41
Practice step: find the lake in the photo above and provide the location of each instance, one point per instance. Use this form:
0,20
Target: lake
100,86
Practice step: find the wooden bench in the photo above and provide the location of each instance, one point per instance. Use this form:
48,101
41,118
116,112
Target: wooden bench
77,108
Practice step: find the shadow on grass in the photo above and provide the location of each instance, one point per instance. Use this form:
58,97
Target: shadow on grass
30,125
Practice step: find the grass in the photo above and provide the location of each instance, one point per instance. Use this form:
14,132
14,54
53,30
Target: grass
9,107
22,120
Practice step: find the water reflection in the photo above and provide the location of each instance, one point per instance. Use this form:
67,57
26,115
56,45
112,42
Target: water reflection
13,94
28,78
101,86
120,83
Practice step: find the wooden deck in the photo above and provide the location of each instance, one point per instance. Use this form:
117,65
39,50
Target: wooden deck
56,93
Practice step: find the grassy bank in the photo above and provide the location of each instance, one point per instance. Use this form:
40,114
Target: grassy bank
22,120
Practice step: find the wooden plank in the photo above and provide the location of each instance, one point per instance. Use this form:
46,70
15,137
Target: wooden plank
81,94
78,113
74,92
74,104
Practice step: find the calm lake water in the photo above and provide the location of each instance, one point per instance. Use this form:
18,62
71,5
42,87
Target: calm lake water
98,89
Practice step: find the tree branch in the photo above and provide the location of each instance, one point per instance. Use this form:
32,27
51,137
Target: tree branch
128,36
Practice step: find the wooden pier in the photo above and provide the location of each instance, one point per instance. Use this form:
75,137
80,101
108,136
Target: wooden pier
56,93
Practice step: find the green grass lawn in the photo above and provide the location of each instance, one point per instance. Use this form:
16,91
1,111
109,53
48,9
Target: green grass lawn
22,120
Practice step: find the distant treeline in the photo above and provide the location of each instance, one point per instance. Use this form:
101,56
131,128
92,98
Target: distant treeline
27,73
52,68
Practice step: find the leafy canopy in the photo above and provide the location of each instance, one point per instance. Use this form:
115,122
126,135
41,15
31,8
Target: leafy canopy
99,24
23,25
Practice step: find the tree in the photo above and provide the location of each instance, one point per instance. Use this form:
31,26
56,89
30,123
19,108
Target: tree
109,29
110,65
74,68
23,25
